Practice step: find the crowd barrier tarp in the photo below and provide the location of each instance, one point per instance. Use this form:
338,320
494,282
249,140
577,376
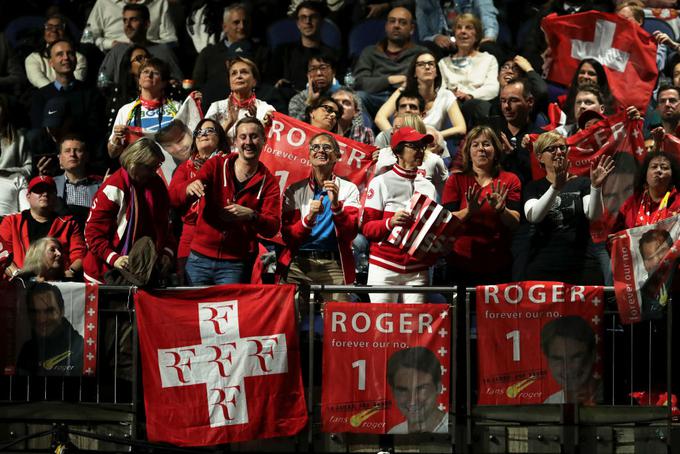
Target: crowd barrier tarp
220,364
644,260
386,368
50,329
539,342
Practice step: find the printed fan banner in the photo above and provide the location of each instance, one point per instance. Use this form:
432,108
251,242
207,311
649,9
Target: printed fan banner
539,342
386,368
220,364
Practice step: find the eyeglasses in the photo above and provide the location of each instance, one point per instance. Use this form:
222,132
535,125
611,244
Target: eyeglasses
323,68
326,147
150,73
426,64
328,109
139,59
552,149
510,67
205,132
55,27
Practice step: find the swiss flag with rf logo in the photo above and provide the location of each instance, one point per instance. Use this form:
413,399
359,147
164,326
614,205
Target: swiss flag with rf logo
220,364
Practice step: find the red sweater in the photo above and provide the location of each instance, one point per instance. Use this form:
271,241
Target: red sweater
14,236
222,240
111,218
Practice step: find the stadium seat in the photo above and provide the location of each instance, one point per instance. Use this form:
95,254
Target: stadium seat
365,34
285,31
652,25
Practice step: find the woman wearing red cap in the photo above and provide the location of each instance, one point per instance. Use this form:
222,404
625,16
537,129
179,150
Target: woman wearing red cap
386,208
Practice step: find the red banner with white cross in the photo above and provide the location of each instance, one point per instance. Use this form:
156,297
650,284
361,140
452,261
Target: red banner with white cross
386,368
220,364
625,50
539,342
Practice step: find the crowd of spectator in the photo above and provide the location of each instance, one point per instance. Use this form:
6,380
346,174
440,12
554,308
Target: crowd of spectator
448,102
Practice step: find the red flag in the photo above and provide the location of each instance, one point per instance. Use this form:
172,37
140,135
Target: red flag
614,134
220,364
386,368
625,50
539,342
643,263
286,153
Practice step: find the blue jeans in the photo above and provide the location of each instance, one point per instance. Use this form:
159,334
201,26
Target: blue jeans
202,270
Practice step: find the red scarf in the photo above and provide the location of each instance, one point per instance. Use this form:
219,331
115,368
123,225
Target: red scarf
150,104
245,104
648,214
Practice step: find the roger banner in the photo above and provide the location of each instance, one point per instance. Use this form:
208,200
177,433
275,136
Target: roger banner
539,342
386,368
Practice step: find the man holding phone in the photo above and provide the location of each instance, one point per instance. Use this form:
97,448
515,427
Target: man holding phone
320,82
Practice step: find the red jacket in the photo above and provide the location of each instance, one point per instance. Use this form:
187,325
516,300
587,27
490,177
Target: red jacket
14,235
295,230
111,218
222,240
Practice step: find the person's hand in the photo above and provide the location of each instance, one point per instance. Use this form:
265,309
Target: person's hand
547,62
507,146
165,265
230,117
267,119
281,82
375,155
313,92
658,135
600,170
69,274
197,95
234,212
472,196
633,113
497,196
662,38
195,189
45,165
525,140
315,208
523,63
121,262
461,95
561,173
119,135
397,79
376,10
401,218
444,42
332,192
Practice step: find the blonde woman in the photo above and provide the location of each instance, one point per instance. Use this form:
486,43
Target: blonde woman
45,261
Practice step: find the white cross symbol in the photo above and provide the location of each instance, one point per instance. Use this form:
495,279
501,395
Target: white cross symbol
674,249
443,370
91,297
597,339
222,361
600,48
442,351
441,407
443,314
90,341
90,326
639,150
596,376
88,371
635,133
596,320
596,301
90,312
443,390
442,332
90,356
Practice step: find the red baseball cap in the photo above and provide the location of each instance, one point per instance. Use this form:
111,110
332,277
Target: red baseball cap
409,135
42,181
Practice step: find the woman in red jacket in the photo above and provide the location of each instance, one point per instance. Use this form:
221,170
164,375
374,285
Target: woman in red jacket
209,140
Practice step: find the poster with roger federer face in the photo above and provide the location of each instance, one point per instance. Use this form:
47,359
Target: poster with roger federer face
386,368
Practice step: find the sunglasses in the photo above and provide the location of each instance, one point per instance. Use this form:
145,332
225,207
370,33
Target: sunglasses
328,109
552,149
205,132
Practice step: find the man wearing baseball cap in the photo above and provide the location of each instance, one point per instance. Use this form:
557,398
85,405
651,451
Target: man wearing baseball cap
386,208
18,231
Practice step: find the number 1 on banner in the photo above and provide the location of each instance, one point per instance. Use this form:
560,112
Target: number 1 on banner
283,177
514,335
361,365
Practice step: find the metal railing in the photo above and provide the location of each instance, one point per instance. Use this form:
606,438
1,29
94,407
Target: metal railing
81,405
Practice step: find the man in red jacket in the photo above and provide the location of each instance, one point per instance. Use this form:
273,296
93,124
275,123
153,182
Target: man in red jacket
18,231
320,220
240,201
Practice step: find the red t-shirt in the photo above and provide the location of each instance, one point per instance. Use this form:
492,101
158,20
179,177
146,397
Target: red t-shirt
482,242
